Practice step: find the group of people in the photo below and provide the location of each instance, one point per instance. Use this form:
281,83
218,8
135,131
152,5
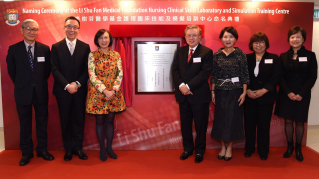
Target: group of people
234,77
72,63
244,90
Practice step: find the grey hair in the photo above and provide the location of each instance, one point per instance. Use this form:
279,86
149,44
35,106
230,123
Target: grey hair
27,21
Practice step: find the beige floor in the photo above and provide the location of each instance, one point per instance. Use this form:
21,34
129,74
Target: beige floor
312,138
1,139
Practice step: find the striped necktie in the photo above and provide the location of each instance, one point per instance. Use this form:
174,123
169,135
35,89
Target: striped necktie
190,54
30,57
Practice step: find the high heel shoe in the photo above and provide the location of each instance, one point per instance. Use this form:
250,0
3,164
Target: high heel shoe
103,156
290,150
111,153
228,158
299,155
220,157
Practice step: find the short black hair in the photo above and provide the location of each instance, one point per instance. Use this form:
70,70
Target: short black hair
229,29
72,18
99,34
258,37
296,29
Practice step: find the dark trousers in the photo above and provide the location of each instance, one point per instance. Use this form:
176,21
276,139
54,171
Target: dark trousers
72,114
41,119
257,116
200,113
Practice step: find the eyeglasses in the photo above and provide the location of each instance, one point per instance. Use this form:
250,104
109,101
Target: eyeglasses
29,29
69,27
259,43
103,38
190,36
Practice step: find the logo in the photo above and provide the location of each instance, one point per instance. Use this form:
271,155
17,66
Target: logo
156,48
12,17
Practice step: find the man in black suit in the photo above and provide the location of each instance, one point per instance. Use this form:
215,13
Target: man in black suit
69,63
191,68
28,65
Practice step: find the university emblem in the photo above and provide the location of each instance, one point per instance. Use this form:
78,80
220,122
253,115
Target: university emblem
12,17
156,48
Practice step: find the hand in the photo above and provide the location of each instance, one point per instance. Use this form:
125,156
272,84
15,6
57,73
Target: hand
108,94
213,97
76,84
184,90
241,99
189,92
298,97
72,88
259,93
292,96
251,94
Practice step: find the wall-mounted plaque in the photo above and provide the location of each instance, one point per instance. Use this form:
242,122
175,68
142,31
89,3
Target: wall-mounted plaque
153,62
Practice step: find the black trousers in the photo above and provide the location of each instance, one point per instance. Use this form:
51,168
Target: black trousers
72,115
41,119
257,116
200,113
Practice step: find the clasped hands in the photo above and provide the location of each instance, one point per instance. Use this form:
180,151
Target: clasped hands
109,95
184,90
294,97
257,93
72,87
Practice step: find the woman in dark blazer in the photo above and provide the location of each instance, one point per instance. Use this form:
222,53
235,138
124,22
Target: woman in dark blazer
299,76
264,74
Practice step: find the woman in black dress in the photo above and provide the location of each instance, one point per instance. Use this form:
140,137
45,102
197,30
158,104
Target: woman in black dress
299,76
264,73
229,80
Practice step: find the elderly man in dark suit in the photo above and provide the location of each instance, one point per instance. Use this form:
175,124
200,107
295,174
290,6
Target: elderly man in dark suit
69,63
28,65
191,68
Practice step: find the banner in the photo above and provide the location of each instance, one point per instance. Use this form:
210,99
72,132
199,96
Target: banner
152,122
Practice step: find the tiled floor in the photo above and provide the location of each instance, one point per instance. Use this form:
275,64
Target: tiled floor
312,138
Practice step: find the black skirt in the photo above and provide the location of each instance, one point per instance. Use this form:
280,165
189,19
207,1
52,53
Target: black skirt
293,110
228,119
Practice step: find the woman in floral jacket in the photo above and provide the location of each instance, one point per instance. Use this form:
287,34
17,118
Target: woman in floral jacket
105,96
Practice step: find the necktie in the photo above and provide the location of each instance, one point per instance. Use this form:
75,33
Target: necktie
71,47
190,55
30,57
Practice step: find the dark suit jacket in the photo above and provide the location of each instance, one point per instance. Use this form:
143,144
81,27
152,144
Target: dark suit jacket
268,77
66,71
298,77
24,79
195,75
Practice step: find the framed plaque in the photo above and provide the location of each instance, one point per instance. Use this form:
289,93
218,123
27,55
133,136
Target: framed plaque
153,63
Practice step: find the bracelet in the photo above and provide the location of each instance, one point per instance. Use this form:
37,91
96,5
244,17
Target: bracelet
212,90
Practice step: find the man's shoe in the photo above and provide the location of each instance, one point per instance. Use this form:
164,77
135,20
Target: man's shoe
81,154
185,155
263,156
68,156
25,160
248,154
45,155
198,158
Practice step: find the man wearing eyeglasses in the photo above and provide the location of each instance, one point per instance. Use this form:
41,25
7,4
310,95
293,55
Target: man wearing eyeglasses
28,64
192,66
69,64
